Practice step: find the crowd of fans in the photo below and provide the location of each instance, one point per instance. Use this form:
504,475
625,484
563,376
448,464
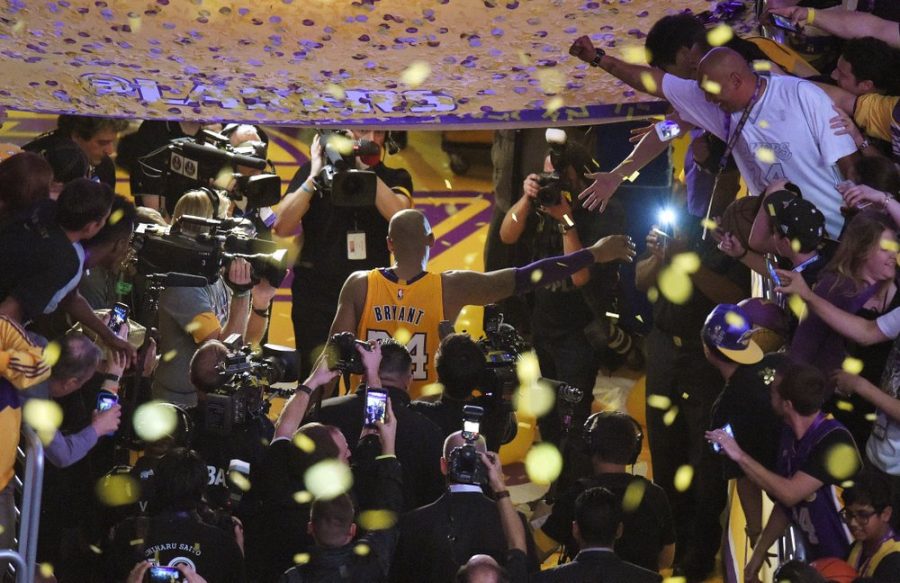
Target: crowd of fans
791,391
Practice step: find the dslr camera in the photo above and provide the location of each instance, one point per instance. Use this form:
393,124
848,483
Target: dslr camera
173,250
248,388
342,354
348,186
464,465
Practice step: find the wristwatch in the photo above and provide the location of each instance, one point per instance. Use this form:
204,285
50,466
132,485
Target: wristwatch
108,376
595,62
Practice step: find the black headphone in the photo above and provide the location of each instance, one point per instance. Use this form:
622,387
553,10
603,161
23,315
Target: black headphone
213,197
595,425
392,141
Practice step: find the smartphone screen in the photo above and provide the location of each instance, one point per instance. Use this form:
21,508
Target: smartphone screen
727,429
784,23
771,268
106,400
159,574
376,406
118,316
667,130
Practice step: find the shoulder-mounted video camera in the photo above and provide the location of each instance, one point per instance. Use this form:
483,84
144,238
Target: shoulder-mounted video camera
502,344
342,354
181,249
340,179
189,163
248,387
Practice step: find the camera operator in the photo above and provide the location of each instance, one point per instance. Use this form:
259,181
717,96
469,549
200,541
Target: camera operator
418,439
560,225
331,522
337,240
188,316
96,138
245,442
437,539
462,369
174,533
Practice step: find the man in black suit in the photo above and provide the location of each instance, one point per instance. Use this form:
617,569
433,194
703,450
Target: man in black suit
437,539
418,439
598,521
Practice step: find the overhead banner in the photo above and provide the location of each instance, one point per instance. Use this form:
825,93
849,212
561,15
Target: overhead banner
453,63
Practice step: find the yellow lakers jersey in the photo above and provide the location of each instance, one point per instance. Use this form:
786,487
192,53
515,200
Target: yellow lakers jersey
405,310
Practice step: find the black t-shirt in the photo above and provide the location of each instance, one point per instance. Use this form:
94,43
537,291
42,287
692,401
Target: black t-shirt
323,265
745,404
150,136
246,442
173,539
36,261
686,320
645,531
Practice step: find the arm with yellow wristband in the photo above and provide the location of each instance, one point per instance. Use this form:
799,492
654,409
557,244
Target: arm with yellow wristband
844,23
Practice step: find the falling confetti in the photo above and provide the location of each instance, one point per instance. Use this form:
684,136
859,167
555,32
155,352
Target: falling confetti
115,216
890,245
852,365
239,480
796,245
168,356
719,35
536,275
842,461
652,294
670,416
335,91
377,519
762,123
302,497
328,479
535,399
683,478
301,558
648,82
528,369
797,306
555,104
636,54
44,415
403,336
844,405
711,86
155,420
687,262
416,73
304,443
362,549
735,320
633,496
117,490
765,155
660,402
709,224
432,389
51,353
192,326
761,66
543,463
675,285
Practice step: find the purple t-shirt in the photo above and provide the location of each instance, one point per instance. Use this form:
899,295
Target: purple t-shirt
817,517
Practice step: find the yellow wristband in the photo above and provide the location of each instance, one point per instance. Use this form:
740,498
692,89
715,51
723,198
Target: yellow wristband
810,15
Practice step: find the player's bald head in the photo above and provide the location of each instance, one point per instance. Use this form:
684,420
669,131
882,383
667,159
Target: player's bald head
409,234
727,79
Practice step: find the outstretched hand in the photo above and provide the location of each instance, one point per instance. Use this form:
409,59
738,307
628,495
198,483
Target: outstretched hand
597,195
613,248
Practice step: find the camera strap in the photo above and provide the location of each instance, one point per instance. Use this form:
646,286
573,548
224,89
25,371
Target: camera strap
730,143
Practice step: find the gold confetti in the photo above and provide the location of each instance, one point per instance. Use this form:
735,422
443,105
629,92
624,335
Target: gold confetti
447,184
44,415
709,224
648,82
304,443
555,104
543,463
169,355
852,365
155,420
798,306
115,216
362,549
117,490
763,124
527,368
719,35
633,496
328,479
524,58
734,319
95,549
46,570
687,262
515,218
633,176
636,55
135,23
675,579
239,480
403,336
670,416
847,484
683,478
536,275
760,66
844,405
302,497
841,461
192,326
710,86
341,143
652,295
890,245
301,558
51,354
796,245
551,80
432,389
535,399
377,519
765,155
675,285
871,417
335,91
660,402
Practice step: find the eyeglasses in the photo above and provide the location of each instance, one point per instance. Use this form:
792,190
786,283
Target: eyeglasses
862,517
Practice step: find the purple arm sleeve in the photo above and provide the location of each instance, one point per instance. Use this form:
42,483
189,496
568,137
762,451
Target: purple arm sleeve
551,269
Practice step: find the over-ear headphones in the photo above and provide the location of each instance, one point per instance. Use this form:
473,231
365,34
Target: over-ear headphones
394,141
213,197
603,436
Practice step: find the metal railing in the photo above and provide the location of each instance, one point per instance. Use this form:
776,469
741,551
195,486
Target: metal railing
29,481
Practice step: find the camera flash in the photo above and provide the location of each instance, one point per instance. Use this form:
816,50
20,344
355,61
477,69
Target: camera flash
666,216
555,136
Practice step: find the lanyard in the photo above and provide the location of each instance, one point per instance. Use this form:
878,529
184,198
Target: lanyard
862,552
733,138
807,263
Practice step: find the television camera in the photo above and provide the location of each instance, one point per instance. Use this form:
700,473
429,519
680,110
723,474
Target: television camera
182,249
340,179
209,160
248,385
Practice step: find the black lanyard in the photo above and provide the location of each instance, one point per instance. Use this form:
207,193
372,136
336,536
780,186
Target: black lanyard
733,138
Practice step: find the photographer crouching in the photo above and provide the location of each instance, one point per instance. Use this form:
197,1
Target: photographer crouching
189,316
567,350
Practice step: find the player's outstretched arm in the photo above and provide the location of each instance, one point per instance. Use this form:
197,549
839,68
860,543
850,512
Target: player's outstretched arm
350,303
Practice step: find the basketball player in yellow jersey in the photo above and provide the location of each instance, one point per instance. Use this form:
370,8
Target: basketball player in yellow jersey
375,304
